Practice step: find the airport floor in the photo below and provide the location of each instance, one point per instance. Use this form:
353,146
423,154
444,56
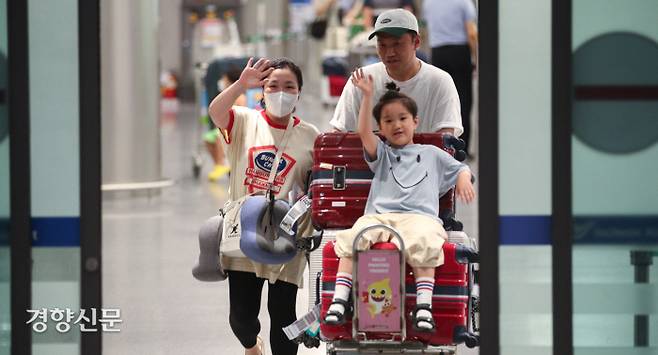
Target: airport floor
150,246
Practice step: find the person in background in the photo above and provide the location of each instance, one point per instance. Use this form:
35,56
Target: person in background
252,137
453,37
373,8
212,137
349,12
232,75
430,87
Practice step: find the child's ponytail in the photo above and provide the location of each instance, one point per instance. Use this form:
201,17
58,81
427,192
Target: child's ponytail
393,94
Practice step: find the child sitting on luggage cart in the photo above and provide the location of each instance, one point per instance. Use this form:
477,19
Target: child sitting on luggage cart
408,182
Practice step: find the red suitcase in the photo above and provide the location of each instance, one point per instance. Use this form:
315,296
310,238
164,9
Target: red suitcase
450,302
341,179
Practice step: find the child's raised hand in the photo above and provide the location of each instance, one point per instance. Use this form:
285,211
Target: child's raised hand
363,82
254,76
464,189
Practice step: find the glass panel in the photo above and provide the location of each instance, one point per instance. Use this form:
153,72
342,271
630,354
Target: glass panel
525,121
54,168
615,198
5,267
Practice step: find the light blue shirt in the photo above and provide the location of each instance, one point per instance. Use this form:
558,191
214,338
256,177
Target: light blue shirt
414,182
446,21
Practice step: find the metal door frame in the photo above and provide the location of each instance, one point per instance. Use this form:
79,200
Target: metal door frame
561,178
488,171
89,50
19,167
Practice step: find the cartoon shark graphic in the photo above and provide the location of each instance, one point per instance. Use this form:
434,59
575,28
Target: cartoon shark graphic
379,297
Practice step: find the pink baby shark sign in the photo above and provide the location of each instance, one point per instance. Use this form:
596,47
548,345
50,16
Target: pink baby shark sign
379,291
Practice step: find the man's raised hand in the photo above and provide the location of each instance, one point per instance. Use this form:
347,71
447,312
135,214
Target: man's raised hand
363,82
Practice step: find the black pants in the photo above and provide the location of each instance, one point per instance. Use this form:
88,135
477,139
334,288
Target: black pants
244,293
456,60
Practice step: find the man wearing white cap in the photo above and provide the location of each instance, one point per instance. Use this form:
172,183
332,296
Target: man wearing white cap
431,88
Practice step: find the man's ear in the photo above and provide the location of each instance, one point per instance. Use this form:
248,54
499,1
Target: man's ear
416,40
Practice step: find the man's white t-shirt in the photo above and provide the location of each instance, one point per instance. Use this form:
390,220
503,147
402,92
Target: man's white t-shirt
432,88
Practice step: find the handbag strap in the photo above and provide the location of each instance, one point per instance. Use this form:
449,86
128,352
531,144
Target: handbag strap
279,153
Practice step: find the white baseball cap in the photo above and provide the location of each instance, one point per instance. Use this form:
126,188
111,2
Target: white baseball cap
395,22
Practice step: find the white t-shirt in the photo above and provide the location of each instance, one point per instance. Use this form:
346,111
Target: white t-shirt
432,88
250,147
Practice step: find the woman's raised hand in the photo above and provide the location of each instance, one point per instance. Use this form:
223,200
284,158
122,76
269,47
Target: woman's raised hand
363,82
254,76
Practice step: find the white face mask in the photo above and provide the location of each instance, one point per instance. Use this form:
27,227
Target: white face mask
280,103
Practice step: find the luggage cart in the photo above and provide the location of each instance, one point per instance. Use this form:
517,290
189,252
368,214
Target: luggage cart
361,51
206,77
335,73
202,114
339,189
216,46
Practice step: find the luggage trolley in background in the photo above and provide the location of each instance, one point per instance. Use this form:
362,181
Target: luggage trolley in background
200,127
361,51
207,78
335,73
339,190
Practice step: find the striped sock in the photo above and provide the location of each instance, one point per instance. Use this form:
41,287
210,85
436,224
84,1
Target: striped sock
424,291
342,291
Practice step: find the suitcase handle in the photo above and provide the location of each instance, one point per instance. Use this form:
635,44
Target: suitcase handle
340,173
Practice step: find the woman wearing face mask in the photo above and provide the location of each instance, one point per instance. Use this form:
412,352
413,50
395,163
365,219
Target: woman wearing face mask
251,137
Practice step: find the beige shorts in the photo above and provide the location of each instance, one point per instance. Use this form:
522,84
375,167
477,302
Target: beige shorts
423,237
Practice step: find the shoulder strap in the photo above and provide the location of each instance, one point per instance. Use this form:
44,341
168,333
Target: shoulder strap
279,153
